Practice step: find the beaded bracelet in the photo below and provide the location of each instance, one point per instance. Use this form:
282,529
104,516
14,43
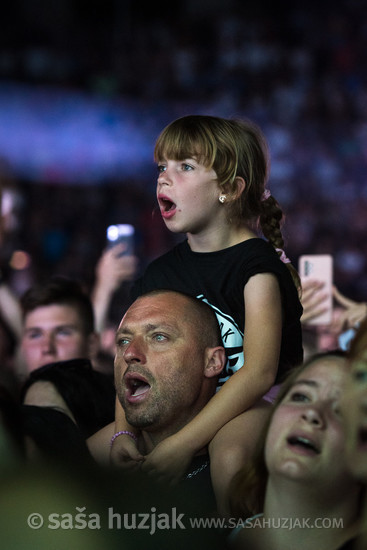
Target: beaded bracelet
123,432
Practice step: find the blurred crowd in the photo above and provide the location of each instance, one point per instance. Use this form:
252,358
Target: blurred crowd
105,77
298,69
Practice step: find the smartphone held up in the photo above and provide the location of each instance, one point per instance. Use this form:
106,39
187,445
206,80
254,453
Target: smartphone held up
318,268
121,233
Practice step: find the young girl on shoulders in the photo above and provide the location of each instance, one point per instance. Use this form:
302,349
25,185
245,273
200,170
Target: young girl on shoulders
212,175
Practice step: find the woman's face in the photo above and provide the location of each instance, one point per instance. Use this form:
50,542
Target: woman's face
306,440
354,408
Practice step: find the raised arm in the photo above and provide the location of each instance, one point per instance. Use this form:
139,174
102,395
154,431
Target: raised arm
111,271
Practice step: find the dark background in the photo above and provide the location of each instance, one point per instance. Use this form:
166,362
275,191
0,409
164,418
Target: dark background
85,88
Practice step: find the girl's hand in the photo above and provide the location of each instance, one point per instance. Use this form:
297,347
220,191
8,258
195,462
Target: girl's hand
124,453
168,461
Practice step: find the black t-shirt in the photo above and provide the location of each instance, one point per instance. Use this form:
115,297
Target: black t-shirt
198,479
219,278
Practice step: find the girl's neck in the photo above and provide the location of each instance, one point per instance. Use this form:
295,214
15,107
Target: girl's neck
219,238
331,520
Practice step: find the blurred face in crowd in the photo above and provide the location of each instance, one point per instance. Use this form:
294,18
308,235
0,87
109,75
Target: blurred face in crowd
354,407
306,437
161,365
54,333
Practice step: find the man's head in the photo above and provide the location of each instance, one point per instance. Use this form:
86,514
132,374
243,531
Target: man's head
58,324
169,355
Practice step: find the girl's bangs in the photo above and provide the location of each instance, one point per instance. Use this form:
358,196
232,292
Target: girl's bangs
178,143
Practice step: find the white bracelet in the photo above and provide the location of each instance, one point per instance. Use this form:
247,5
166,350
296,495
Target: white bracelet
123,432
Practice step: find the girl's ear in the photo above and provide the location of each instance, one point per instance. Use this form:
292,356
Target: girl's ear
215,361
239,185
234,191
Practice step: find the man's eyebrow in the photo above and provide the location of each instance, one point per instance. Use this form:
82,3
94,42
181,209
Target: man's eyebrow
148,328
30,329
62,325
124,330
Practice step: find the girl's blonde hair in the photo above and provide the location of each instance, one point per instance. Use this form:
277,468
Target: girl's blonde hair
232,148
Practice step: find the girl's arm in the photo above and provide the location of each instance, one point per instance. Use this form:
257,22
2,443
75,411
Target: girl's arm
124,451
99,444
263,314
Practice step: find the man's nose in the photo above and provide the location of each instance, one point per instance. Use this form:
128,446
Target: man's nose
135,352
48,343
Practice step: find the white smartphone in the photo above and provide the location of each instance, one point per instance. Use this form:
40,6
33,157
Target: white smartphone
319,267
121,233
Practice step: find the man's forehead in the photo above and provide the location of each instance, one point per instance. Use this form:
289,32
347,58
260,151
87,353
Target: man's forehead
52,313
166,308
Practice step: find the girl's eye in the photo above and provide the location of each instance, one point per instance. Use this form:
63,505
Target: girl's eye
161,168
186,167
299,397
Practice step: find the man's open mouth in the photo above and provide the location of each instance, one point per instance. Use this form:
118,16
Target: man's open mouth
136,386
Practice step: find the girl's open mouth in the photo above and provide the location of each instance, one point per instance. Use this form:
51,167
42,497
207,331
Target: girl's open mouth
303,443
167,207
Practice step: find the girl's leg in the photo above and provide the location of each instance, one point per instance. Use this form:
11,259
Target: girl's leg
232,446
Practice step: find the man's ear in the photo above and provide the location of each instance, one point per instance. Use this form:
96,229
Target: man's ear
215,361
